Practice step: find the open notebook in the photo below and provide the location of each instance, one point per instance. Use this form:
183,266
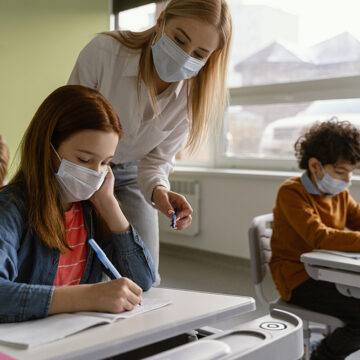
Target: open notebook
27,334
353,255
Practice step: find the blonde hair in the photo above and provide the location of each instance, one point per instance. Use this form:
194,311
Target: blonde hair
210,83
4,160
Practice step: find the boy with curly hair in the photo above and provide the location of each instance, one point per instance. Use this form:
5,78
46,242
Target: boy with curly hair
312,212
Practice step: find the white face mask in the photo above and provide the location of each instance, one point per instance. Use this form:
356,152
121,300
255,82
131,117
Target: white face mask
77,182
330,185
172,63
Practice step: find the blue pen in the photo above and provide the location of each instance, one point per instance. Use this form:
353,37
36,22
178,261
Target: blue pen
104,259
173,220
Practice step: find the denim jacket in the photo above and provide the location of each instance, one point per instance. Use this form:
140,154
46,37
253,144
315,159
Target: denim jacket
28,266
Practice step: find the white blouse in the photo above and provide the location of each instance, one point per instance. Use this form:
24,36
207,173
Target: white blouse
112,68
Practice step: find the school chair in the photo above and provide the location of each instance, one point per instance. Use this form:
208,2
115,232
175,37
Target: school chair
260,255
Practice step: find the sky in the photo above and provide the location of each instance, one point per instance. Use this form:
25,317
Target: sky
318,19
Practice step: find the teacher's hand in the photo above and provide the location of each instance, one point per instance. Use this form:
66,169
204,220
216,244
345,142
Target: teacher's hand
167,201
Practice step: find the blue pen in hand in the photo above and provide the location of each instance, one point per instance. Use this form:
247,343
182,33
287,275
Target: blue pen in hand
104,259
173,220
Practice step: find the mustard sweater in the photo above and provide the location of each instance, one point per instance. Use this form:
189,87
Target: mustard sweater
303,222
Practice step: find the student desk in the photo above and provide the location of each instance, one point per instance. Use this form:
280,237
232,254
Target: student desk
189,310
341,270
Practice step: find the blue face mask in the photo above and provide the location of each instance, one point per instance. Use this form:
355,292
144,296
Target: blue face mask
330,185
172,63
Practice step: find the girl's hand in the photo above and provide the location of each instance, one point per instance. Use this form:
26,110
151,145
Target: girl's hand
111,296
108,207
116,295
106,191
167,201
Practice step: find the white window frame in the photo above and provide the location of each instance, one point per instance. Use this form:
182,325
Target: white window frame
304,91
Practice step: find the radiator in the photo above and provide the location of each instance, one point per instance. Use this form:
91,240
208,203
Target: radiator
191,190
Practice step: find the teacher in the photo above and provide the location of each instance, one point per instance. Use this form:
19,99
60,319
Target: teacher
167,85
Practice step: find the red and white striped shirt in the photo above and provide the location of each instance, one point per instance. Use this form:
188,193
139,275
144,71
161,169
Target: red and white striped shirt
72,264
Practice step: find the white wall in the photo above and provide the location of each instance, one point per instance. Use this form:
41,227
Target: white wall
228,204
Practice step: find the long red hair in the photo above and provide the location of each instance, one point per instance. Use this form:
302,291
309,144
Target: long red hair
67,110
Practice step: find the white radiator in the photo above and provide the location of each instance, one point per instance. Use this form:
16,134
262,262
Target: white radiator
191,190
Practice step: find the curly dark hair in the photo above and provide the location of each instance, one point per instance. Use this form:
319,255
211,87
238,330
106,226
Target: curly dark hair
329,141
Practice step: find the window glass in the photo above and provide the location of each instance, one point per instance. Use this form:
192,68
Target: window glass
270,130
200,155
277,41
139,18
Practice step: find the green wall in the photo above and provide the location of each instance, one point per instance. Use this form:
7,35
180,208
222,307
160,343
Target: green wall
39,43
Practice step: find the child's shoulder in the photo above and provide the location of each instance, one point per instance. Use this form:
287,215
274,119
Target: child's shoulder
291,185
292,182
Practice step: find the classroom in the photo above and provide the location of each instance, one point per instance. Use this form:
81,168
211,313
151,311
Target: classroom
184,165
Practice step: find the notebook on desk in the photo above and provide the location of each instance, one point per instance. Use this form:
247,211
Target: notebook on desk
28,334
352,255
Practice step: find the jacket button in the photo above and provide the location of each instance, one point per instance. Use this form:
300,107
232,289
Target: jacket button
55,261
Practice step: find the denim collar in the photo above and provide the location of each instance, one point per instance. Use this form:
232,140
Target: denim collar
310,186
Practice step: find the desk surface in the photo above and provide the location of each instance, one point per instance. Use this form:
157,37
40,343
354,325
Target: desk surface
189,310
316,258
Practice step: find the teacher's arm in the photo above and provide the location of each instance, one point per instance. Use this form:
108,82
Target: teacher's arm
153,173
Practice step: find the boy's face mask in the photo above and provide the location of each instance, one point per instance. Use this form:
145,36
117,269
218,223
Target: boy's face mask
77,182
171,62
330,185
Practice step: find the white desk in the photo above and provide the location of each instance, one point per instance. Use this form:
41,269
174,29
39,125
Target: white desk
341,270
189,310
278,335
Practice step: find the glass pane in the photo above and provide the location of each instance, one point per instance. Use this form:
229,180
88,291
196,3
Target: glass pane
139,18
270,131
201,155
276,41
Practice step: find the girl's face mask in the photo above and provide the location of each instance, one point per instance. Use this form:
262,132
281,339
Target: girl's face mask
77,182
331,185
171,62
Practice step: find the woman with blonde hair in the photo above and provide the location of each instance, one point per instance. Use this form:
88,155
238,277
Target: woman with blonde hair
168,85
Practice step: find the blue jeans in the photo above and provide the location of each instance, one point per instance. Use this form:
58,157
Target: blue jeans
137,210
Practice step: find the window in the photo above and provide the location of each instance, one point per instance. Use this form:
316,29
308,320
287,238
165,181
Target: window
292,62
271,130
139,18
280,41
